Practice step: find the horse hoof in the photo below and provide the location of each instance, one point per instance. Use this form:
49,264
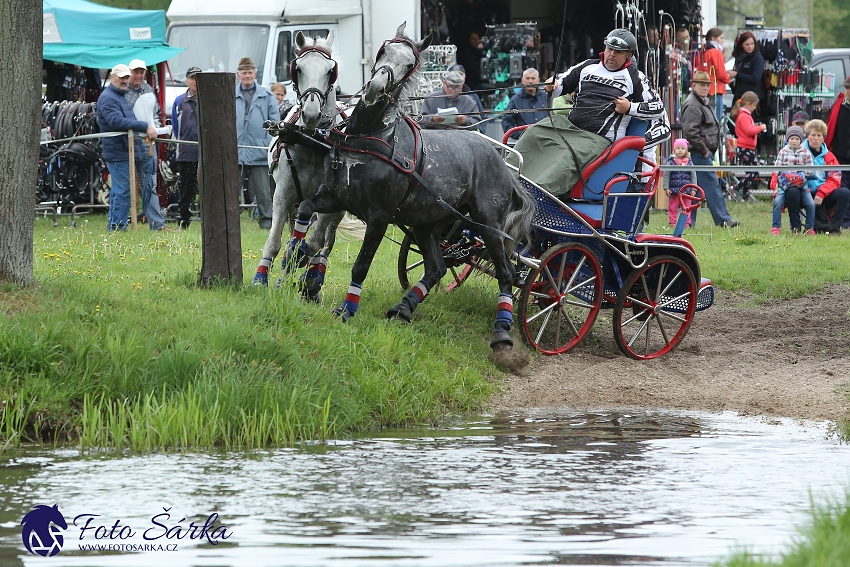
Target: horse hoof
343,314
501,337
399,312
311,298
261,279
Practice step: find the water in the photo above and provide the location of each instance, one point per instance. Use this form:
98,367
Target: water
572,489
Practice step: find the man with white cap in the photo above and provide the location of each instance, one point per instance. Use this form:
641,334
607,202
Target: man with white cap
141,97
114,114
450,96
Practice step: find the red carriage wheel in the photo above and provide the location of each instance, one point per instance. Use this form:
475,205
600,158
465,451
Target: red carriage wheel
561,298
654,308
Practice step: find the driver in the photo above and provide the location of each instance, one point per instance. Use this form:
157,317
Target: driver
609,91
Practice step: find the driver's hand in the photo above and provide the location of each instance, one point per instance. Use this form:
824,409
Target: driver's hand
550,84
622,105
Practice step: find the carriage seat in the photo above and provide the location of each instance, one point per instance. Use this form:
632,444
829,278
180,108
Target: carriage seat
619,157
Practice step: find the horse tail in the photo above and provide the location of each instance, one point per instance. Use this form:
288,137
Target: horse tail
523,207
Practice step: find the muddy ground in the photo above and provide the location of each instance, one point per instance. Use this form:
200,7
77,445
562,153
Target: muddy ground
786,358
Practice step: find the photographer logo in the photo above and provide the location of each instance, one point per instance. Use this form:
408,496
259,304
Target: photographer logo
42,530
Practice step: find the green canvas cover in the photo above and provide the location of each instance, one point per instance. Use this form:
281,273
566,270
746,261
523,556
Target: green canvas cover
91,35
547,161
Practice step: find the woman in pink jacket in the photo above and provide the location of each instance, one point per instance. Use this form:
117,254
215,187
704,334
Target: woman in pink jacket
747,132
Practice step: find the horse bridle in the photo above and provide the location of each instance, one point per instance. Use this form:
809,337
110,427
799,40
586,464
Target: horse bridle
332,75
393,84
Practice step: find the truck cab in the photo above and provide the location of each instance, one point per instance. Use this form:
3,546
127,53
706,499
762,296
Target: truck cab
218,33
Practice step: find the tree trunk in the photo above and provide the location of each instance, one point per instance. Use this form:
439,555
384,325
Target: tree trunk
20,124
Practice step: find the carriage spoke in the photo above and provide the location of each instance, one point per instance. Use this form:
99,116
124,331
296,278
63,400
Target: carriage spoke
543,326
546,309
569,320
663,332
639,331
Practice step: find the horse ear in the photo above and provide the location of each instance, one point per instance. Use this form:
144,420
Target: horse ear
300,41
425,43
328,42
400,31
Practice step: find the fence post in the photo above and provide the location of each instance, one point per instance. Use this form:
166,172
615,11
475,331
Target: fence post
134,191
218,179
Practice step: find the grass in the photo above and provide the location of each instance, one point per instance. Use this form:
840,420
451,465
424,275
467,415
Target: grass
118,347
823,542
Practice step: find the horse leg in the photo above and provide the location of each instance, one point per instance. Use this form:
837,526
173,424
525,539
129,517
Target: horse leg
435,269
505,276
372,239
284,201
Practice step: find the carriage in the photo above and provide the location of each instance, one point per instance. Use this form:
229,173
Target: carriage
574,255
587,252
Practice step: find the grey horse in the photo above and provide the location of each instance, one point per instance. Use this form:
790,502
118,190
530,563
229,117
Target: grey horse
463,172
314,76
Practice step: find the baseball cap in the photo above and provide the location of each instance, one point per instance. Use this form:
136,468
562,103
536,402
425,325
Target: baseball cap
192,71
800,117
121,70
795,131
453,78
137,64
458,67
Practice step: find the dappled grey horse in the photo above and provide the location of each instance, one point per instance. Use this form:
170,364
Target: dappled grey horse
313,74
384,170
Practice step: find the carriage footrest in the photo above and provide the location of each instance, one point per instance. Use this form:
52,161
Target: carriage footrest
705,296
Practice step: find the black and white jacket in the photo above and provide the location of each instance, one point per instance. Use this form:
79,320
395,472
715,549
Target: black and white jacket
595,88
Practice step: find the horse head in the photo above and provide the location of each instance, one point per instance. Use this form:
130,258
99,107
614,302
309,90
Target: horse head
314,73
395,63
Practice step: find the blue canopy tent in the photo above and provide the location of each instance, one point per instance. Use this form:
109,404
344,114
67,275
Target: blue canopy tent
91,35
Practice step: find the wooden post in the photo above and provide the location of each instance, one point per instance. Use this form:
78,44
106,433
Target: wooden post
218,179
134,191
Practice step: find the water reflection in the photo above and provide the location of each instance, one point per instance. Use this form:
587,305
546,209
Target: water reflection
570,489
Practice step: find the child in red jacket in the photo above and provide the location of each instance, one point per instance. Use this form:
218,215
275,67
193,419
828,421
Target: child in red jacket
747,132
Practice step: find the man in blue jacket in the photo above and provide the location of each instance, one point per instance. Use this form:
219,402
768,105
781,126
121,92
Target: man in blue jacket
528,100
254,105
114,114
184,121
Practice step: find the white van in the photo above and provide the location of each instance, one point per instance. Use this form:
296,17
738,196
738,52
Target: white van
218,33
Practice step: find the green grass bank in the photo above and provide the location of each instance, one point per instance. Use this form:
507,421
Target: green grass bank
824,541
117,347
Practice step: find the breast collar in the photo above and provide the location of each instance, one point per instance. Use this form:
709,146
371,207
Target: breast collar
383,144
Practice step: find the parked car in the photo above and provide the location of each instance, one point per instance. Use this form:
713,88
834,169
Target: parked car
836,61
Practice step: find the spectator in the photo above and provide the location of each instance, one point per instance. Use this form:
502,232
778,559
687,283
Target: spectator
831,198
702,130
838,137
147,172
283,105
749,68
450,96
713,64
747,132
469,55
114,114
254,105
675,180
466,90
681,67
791,189
799,119
530,98
184,122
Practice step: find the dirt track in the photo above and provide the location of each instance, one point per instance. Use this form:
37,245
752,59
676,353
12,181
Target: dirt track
787,358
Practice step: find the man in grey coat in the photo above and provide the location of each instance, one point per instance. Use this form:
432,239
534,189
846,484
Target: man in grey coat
450,96
701,130
254,105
